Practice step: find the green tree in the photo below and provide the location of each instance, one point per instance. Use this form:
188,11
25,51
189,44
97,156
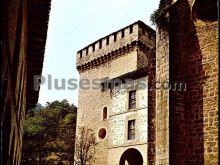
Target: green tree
50,129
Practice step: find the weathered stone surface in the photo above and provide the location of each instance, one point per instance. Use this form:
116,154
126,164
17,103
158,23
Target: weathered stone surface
187,52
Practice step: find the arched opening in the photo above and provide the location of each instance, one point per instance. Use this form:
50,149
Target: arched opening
205,10
104,113
131,157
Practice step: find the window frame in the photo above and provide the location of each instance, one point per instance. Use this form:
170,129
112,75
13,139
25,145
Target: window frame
131,132
130,100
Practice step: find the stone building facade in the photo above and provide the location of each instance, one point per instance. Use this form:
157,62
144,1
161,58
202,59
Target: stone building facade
120,63
177,121
23,36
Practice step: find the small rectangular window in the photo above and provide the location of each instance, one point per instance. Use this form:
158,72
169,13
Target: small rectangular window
132,100
131,129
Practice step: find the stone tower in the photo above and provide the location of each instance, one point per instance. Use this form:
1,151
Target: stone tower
121,113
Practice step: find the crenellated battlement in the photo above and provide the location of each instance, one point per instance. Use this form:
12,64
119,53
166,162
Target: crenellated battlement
120,41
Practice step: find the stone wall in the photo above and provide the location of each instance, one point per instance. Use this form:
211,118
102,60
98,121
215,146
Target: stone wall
162,98
118,122
191,123
203,95
119,115
178,37
191,57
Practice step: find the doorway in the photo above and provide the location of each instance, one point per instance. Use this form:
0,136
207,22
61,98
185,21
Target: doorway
131,157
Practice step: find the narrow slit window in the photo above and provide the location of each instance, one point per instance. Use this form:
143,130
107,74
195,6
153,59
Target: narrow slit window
104,113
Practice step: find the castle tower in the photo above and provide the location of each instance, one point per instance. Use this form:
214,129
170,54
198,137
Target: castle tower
115,105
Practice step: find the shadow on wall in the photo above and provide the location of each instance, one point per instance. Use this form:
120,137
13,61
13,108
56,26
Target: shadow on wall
186,108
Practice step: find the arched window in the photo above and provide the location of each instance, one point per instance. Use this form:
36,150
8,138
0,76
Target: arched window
205,10
104,113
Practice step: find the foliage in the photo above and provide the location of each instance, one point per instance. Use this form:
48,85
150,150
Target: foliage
85,146
50,129
159,18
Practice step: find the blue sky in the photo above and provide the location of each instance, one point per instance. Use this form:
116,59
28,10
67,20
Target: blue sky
73,25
